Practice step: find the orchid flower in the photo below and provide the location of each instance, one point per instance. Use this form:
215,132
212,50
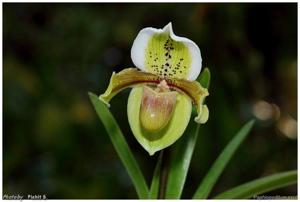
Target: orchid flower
163,87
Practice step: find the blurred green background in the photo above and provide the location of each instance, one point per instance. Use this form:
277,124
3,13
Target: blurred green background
53,54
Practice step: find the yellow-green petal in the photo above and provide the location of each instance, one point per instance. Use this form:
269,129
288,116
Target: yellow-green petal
155,141
196,93
126,78
132,77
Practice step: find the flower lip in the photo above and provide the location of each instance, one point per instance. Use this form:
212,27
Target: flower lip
155,141
156,107
141,42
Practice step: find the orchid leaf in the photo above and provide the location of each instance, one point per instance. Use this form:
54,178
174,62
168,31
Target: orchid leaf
182,154
121,146
204,78
180,161
219,165
260,186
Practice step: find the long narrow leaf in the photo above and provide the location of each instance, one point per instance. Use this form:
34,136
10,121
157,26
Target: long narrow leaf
181,157
180,161
121,146
260,186
219,165
153,193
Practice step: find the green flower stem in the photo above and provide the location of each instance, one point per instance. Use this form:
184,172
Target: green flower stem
165,166
154,189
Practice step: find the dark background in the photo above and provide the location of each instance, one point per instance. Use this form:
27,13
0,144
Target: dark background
53,54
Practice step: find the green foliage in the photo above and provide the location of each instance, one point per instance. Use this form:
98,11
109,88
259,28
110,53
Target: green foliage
121,146
259,186
181,154
204,78
180,161
217,168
